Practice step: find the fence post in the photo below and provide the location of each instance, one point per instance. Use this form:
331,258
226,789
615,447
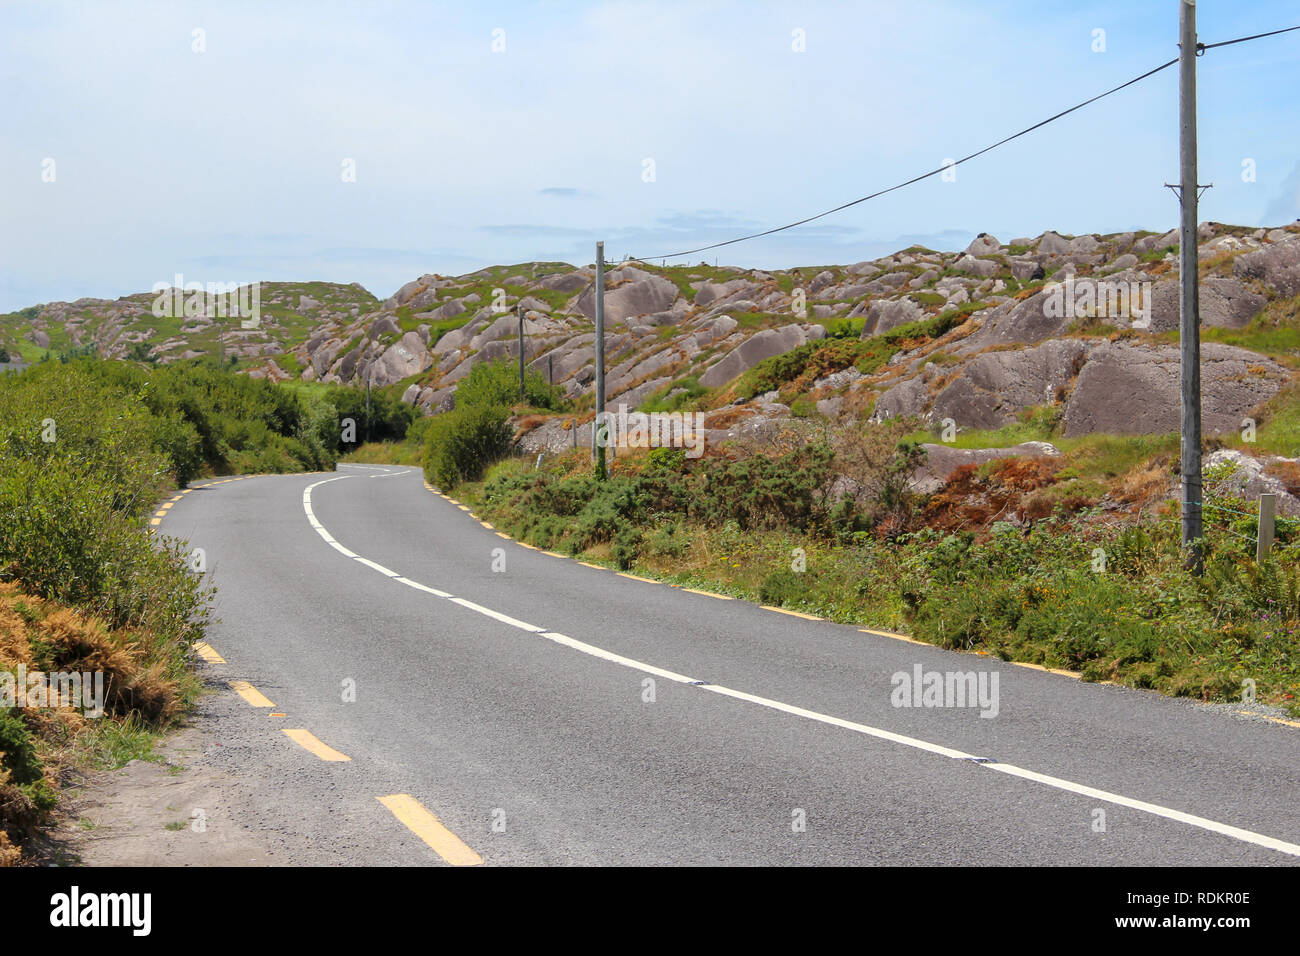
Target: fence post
1267,509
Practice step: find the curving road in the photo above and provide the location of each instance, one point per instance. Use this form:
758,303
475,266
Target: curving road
504,705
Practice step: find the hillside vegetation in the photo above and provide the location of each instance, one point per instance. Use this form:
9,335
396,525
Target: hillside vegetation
87,448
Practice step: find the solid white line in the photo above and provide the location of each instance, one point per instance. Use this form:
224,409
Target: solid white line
613,658
1224,829
378,567
423,587
1246,836
839,722
497,615
320,528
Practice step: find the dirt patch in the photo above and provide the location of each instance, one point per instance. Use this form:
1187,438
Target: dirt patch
174,812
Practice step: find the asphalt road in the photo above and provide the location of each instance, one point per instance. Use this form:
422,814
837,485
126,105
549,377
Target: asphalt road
513,706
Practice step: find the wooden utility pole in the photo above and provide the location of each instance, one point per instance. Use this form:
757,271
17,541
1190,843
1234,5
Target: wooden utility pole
1188,300
599,431
522,390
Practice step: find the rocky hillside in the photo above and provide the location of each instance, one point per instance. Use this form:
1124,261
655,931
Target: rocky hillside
976,337
289,313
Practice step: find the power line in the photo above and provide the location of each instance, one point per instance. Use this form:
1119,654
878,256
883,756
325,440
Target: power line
934,172
1210,46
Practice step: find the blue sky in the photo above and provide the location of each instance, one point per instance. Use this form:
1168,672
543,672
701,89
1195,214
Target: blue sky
227,164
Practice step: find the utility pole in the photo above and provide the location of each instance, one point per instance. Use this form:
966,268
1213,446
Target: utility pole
370,374
1189,313
522,390
598,428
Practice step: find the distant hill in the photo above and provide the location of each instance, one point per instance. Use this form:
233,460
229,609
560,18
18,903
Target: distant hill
111,328
976,336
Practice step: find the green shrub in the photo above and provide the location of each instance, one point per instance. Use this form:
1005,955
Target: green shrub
462,443
25,795
497,383
627,545
783,588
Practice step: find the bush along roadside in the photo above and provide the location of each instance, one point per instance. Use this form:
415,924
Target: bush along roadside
86,591
460,444
1111,602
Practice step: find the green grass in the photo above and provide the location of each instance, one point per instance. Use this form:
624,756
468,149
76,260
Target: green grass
1096,456
387,453
660,402
112,744
1158,255
1279,430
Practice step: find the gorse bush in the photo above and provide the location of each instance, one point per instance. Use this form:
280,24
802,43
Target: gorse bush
790,491
497,383
459,445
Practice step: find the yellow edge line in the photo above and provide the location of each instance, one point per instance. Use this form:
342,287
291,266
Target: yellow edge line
486,525
1283,720
555,554
588,564
1037,667
624,574
250,693
720,597
781,610
311,743
205,651
502,534
1049,670
154,522
897,637
428,828
530,547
